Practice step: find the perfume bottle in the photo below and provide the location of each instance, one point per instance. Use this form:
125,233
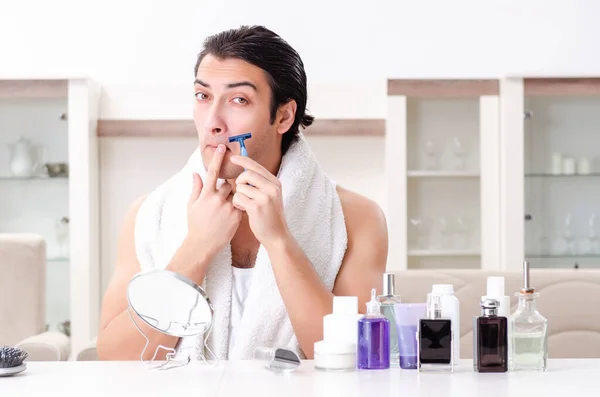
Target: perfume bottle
528,330
435,340
492,338
373,337
387,301
450,309
495,290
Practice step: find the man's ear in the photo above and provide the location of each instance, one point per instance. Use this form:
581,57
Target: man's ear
285,116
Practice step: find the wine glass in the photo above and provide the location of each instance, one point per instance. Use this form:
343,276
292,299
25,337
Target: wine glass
444,230
460,152
62,235
462,232
421,226
567,234
589,245
431,154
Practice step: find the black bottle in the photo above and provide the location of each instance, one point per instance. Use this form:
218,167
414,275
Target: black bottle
435,341
492,338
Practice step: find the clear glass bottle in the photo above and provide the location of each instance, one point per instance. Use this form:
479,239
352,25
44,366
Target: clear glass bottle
435,339
373,338
529,330
387,301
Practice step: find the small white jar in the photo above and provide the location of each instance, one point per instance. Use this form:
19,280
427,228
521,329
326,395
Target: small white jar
335,357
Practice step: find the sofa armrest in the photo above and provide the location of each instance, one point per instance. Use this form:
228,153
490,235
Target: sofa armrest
88,353
47,346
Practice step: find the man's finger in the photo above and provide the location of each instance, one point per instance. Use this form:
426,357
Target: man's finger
250,177
214,168
249,164
224,190
196,188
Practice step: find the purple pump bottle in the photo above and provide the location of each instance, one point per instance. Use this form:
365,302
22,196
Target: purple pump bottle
373,337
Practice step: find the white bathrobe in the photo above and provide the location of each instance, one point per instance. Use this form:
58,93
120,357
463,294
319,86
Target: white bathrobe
314,215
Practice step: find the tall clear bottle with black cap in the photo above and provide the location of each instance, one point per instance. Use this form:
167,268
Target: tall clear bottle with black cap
529,330
435,339
387,301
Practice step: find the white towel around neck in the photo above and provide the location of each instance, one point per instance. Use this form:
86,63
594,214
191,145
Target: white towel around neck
314,215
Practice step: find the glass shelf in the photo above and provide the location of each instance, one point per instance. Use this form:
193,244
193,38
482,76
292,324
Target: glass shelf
441,174
442,252
53,259
31,178
563,256
545,175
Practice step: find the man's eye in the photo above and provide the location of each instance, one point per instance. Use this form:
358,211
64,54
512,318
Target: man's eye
240,100
201,95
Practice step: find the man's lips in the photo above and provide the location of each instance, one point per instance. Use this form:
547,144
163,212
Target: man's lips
215,146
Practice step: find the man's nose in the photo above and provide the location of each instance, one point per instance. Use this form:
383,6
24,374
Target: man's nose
214,122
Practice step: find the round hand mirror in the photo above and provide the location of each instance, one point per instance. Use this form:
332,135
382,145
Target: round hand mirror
169,303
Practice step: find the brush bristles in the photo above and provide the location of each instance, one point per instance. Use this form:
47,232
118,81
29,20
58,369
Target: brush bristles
11,357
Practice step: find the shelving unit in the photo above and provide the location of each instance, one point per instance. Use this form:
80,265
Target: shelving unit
37,109
550,145
442,173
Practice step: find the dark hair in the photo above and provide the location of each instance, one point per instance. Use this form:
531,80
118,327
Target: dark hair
283,66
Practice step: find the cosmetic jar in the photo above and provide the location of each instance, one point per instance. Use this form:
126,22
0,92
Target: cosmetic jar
332,356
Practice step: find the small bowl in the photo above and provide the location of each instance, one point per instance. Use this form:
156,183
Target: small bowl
57,169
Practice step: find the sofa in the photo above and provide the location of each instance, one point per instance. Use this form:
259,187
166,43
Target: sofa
23,299
569,299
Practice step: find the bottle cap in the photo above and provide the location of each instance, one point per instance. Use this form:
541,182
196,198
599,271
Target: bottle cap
495,287
345,305
389,287
434,306
442,289
526,283
373,304
489,306
489,303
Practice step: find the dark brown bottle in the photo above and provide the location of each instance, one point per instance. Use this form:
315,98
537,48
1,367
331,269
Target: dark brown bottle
492,338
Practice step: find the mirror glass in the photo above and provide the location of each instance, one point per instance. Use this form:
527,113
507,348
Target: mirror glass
170,303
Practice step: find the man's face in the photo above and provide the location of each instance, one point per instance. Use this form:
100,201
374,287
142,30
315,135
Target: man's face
233,97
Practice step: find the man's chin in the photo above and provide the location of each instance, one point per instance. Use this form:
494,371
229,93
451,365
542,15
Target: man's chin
230,172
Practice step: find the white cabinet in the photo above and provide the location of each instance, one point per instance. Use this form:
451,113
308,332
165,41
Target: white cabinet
45,123
442,173
551,154
486,174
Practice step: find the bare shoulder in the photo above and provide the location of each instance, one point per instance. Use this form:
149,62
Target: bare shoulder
366,255
133,209
363,215
126,246
126,266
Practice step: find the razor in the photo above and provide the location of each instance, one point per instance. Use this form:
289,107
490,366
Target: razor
240,139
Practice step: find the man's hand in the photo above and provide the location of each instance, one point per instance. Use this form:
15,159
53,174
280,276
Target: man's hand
258,192
212,217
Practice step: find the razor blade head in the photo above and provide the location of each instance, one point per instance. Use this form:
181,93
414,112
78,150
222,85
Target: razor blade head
239,138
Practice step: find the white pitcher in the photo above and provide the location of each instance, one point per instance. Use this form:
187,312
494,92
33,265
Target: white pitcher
24,158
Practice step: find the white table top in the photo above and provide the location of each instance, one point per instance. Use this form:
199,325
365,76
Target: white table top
247,378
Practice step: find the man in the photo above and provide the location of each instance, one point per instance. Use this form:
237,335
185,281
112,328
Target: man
249,80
